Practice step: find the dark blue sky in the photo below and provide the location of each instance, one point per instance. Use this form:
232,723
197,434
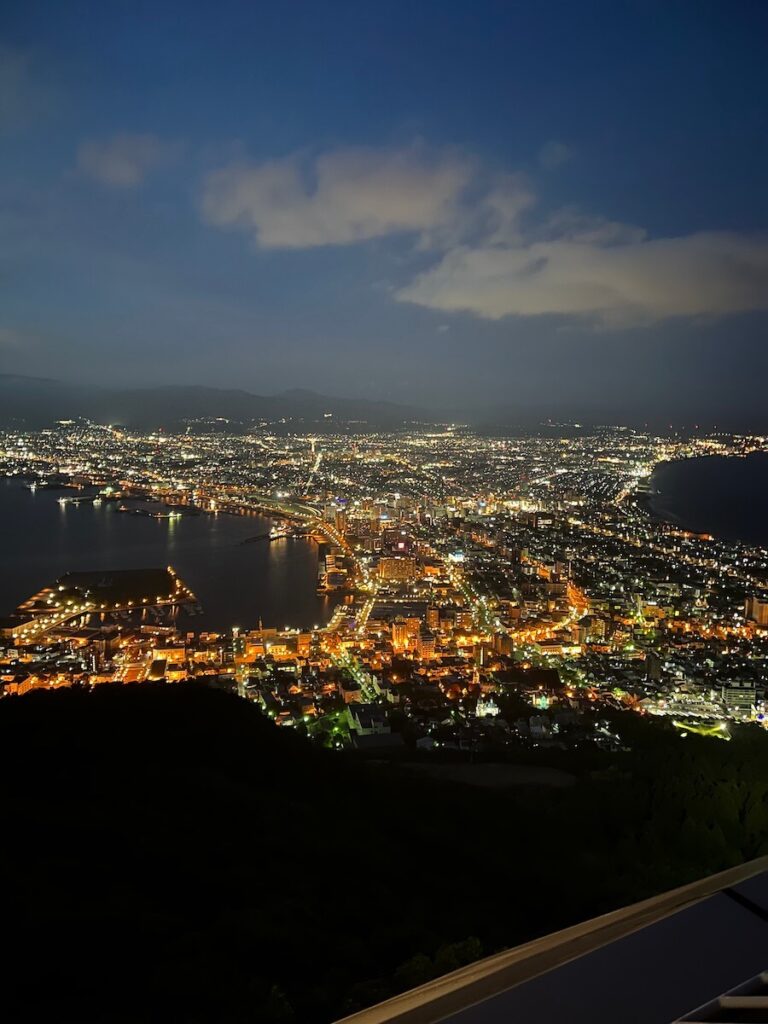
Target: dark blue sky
559,206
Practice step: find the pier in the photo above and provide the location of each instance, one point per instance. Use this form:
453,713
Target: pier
117,592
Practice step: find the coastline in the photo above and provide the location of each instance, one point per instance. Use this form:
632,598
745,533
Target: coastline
234,583
725,496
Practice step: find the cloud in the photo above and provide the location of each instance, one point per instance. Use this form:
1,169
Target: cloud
340,197
123,161
554,154
631,282
571,224
23,94
502,208
10,339
13,75
492,256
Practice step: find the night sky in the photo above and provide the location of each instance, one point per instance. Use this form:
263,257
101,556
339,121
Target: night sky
552,207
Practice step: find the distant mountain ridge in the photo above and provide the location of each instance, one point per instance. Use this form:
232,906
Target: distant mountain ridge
37,402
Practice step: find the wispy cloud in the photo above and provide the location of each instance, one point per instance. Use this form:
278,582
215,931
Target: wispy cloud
10,339
13,71
124,160
22,95
342,196
553,154
622,284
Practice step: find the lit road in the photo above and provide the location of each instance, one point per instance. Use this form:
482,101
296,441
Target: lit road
358,673
313,471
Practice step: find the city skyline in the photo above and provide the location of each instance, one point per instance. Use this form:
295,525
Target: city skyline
558,212
384,494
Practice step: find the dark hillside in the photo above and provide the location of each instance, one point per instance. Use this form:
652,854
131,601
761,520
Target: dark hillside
170,855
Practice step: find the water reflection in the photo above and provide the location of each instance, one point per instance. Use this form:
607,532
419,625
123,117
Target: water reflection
236,583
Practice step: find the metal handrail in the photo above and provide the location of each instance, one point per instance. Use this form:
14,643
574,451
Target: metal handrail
493,975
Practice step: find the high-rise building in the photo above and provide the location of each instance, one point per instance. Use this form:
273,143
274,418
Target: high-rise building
399,632
738,694
756,610
502,643
398,541
397,568
413,623
465,619
426,644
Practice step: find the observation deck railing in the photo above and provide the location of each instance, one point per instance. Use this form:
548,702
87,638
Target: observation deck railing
471,986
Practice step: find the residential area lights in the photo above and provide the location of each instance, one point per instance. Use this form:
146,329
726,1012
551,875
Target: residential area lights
473,576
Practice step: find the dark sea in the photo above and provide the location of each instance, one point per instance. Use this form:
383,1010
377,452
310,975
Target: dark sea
721,495
235,583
